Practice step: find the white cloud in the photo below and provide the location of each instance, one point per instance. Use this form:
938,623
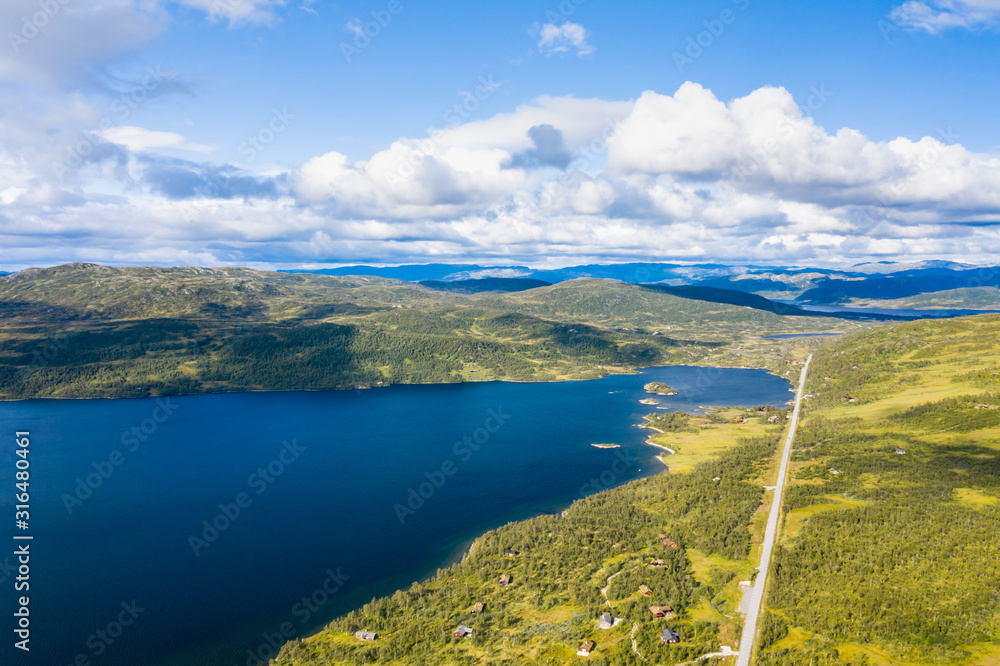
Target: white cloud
355,27
764,143
43,47
140,139
936,16
682,176
564,38
452,171
237,12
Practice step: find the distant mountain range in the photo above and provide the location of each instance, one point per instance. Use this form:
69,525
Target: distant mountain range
882,284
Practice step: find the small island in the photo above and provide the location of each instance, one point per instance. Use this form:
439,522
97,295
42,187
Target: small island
659,388
648,401
607,446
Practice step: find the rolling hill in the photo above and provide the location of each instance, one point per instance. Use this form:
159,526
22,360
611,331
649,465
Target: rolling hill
83,330
655,311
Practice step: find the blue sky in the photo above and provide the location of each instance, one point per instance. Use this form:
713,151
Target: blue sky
300,133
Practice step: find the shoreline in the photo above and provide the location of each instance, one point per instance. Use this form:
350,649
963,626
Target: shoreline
660,446
633,371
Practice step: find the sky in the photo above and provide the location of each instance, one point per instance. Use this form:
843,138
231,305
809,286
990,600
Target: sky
309,133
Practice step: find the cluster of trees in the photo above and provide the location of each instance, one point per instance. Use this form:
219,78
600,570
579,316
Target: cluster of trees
670,422
562,563
171,356
911,565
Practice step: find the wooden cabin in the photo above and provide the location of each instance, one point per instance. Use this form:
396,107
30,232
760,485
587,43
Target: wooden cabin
670,636
365,635
477,607
462,632
660,611
510,552
656,564
505,580
586,649
605,621
645,591
667,541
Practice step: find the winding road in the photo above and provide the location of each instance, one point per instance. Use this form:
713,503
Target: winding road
635,627
756,593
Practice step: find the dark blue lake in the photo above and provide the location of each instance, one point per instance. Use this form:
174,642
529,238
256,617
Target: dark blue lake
324,480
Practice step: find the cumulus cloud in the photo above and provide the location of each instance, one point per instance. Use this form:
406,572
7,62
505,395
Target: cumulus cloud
936,16
765,143
549,149
460,169
564,38
183,179
681,176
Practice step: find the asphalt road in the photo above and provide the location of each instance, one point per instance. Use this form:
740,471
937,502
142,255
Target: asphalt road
760,584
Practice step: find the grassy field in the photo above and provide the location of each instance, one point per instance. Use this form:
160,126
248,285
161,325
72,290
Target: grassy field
895,560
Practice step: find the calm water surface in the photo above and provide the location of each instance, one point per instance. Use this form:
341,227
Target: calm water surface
359,491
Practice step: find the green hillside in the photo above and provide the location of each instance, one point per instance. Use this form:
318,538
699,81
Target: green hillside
619,305
697,527
895,558
83,330
970,298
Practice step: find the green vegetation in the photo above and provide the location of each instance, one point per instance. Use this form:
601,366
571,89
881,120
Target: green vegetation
896,560
659,388
626,307
93,331
605,541
83,330
968,298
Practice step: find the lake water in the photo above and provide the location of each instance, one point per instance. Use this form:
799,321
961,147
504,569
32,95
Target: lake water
900,313
341,495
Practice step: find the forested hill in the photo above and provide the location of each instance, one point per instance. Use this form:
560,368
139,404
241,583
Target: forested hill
83,330
617,304
891,552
